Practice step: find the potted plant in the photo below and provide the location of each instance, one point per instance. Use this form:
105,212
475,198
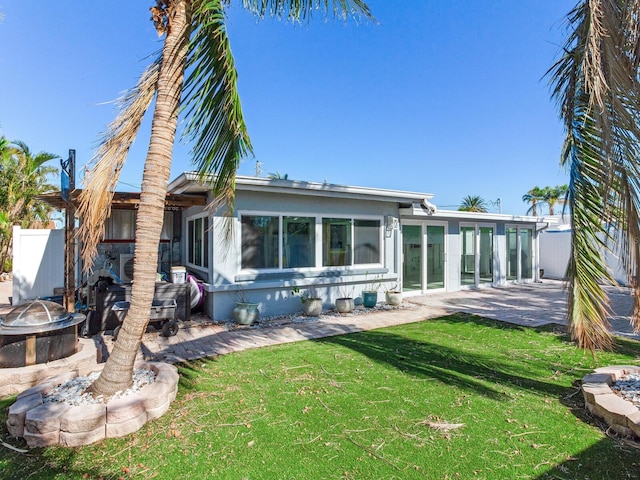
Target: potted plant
345,303
311,303
393,295
245,312
370,293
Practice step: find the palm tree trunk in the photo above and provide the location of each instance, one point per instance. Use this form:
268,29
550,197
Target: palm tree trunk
118,371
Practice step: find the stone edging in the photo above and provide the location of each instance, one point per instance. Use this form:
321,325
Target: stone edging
44,424
621,415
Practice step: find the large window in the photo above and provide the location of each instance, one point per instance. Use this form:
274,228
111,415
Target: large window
198,242
297,241
260,235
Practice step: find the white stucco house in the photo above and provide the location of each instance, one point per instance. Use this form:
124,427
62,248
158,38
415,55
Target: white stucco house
287,233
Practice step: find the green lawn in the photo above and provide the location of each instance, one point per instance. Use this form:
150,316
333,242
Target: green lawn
453,398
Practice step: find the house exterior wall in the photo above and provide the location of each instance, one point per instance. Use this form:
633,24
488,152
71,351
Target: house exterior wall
226,279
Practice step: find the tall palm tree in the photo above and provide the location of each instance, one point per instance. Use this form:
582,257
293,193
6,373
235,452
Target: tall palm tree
595,83
534,197
196,41
473,203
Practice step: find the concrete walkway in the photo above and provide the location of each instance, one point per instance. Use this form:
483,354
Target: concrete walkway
528,305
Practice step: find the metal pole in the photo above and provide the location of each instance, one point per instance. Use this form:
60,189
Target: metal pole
69,244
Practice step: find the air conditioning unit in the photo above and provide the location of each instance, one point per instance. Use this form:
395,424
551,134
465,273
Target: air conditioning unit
126,267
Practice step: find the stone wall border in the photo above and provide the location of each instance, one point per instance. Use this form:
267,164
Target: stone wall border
45,424
622,416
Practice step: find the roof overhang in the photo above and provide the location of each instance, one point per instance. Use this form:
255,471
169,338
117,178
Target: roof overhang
191,182
418,210
127,200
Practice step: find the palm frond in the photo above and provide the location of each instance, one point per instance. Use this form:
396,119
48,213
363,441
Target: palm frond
102,178
597,91
215,122
300,10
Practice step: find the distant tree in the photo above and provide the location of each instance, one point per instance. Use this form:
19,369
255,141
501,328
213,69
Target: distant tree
278,176
473,203
534,197
552,195
23,176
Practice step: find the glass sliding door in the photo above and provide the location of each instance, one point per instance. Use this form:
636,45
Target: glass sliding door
485,253
435,256
412,257
467,255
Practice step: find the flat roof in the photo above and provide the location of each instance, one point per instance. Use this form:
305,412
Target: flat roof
189,182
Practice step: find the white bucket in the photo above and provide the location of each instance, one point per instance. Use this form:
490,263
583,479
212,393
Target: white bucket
178,275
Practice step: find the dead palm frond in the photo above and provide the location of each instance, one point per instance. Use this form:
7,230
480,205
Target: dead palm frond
595,84
102,178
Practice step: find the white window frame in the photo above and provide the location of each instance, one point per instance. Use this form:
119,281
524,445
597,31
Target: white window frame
206,236
476,261
318,240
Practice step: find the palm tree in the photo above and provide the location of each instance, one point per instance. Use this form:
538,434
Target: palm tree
553,195
533,196
23,176
595,83
196,41
473,203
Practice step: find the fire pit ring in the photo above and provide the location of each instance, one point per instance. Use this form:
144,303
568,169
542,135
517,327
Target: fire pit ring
38,331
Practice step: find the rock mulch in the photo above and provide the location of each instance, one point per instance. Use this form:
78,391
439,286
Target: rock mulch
44,423
620,414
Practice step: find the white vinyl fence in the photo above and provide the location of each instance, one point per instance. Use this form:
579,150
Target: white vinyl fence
38,263
555,249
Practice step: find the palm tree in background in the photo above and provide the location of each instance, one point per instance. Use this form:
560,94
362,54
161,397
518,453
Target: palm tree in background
553,195
534,197
595,84
473,203
195,42
23,176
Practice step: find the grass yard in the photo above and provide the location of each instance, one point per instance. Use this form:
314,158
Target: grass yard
453,398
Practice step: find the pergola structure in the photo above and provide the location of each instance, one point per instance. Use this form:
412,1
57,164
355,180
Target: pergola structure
122,201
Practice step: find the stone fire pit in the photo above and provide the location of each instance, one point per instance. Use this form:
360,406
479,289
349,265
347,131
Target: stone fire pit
621,415
43,424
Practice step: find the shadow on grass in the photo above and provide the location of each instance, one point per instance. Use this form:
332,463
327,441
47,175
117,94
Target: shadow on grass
481,373
601,459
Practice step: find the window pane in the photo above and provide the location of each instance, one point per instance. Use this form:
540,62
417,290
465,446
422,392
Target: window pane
467,256
259,242
366,235
298,243
197,241
336,242
205,243
512,253
190,227
435,256
526,253
486,254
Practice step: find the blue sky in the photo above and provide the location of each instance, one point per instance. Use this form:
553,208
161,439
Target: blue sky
444,97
